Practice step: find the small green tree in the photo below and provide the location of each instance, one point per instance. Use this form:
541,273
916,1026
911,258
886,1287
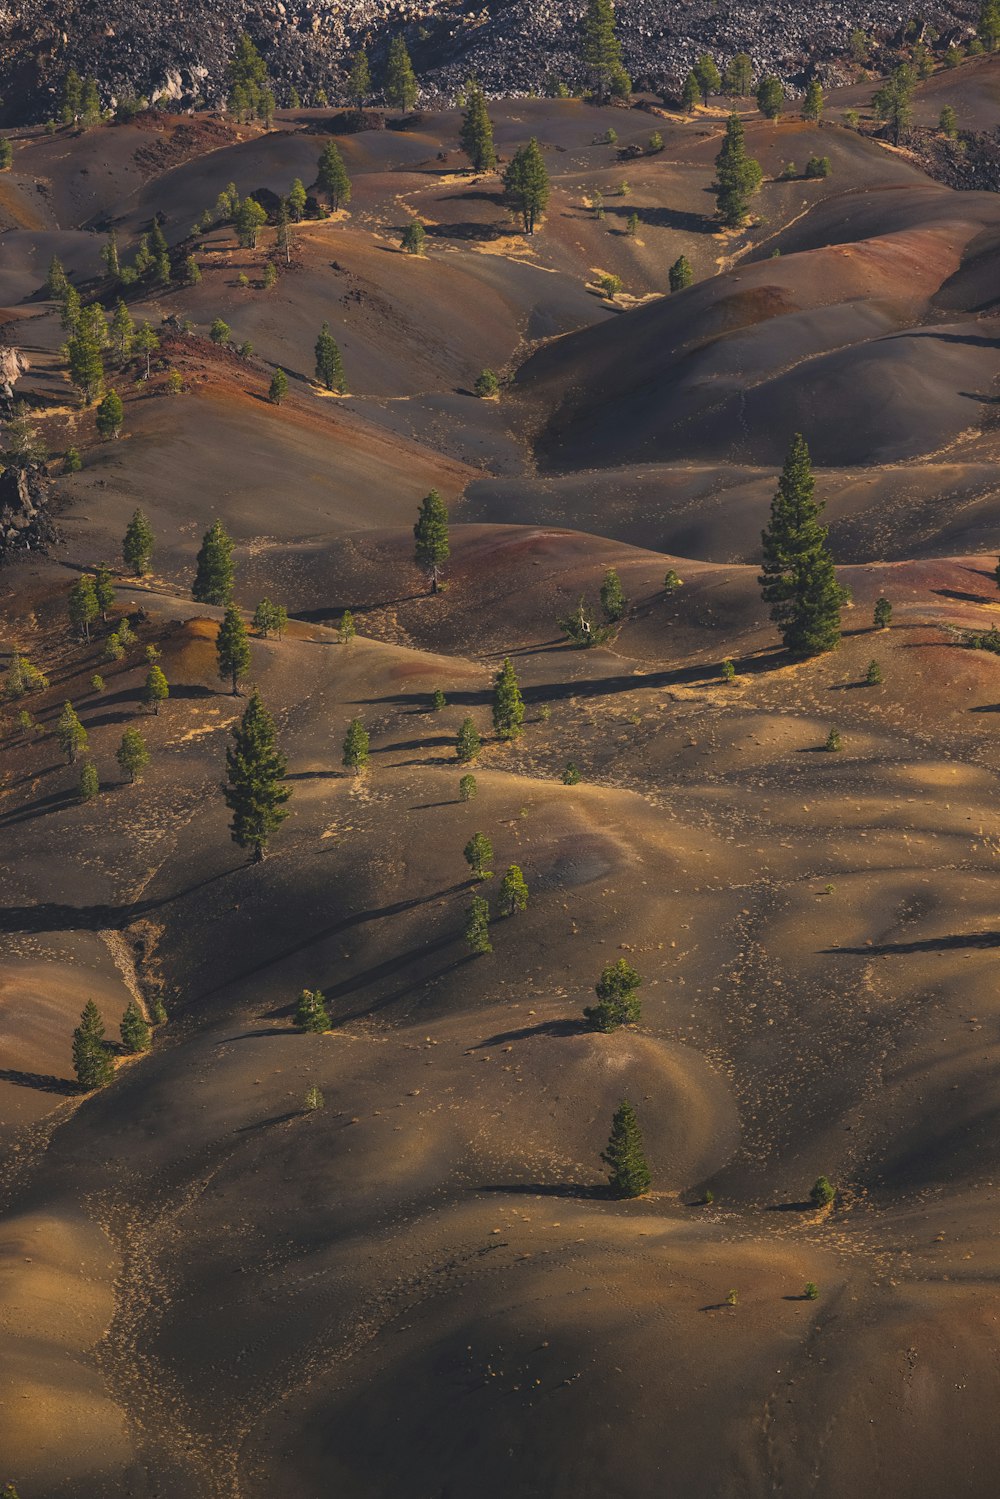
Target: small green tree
770,96
255,770
508,704
571,774
476,134
70,734
526,185
873,676
356,745
813,101
110,416
477,925
132,755
818,166
137,545
430,534
72,462
738,176
329,365
82,605
156,689
513,892
347,630
883,614
104,589
822,1192
438,700
811,1292
267,618
988,29
468,744
478,853
359,83
92,1061
948,120
833,741
601,52
135,1032
400,80
89,784
278,389
628,1173
613,600
297,198
250,220
738,80
414,238
798,578
311,1013
707,76
618,1001
690,92
332,177
467,788
22,677
681,274
147,342
487,386
232,648
893,101
214,570
314,1098
220,331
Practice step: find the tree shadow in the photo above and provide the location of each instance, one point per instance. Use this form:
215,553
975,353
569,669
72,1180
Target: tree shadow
789,1207
663,218
580,1191
978,941
469,230
194,690
48,916
40,808
44,1082
960,596
246,1129
544,1028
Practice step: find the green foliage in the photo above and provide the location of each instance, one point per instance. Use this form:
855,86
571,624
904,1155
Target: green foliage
232,648
155,689
798,579
727,671
467,788
508,705
873,676
430,535
738,176
122,332
255,771
89,783
655,143
628,1173
56,281
438,700
813,101
359,83
314,1098
82,605
311,1013
732,1297
513,892
833,741
478,853
220,331
476,134
250,97
610,285
468,744
414,238
347,628
71,736
477,925
297,199
269,619
278,388
818,166
92,1061
690,92
86,362
332,177
214,570
822,1192
882,617
135,1033
770,96
581,628
137,545
632,225
613,600
270,275
571,774
948,120
601,53
104,588
681,274
329,365
487,385
132,755
707,76
356,745
23,677
617,998
110,415
811,1292
738,79
97,682
72,462
988,29
893,101
526,185
400,86
860,47
6,154
250,219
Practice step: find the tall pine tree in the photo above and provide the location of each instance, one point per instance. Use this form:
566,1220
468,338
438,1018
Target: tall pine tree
508,705
738,176
601,51
332,177
628,1173
214,574
255,770
137,545
430,534
400,79
91,1059
232,648
476,134
526,185
329,365
797,578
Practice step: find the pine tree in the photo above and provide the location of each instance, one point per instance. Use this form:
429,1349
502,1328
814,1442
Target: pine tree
6,154
618,1002
220,331
400,79
739,76
255,769
613,600
72,98
508,705
132,755
513,892
356,742
232,648
526,185
431,536
214,571
137,545
92,1061
135,1033
892,102
477,925
278,389
297,197
414,238
90,104
883,614
487,386
249,95
147,342
359,84
250,220
948,120
467,788
822,1192
329,365
70,734
332,177
83,606
690,92
476,134
770,96
469,743
110,415
311,1013
156,689
86,365
89,783
798,579
738,176
812,103
122,332
478,852
347,629
56,281
601,51
707,75
269,619
104,589
681,274
988,30
628,1173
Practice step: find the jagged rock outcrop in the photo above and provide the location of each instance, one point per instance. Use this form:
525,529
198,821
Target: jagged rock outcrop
144,47
25,522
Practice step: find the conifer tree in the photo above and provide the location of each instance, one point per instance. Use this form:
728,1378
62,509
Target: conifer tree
356,744
526,185
249,95
110,415
476,134
359,84
477,925
214,571
414,238
347,629
508,705
707,76
278,388
135,1033
329,365
690,92
6,154
83,606
137,545
988,29
513,892
268,619
89,783
56,280
147,341
738,176
431,537
798,579
822,1192
467,788
813,102
487,386
92,1061
122,332
72,98
739,76
255,770
250,220
882,617
601,51
469,743
232,648
681,274
628,1173
110,255
400,79
311,1013
770,96
155,689
297,199
86,365
478,852
104,589
332,176
132,755
192,271
613,600
893,101
618,1001
70,734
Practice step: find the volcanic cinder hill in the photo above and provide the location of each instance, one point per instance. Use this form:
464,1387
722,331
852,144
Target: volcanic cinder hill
423,1288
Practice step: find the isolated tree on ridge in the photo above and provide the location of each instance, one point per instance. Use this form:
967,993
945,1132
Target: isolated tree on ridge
255,769
798,579
526,185
232,648
214,571
430,534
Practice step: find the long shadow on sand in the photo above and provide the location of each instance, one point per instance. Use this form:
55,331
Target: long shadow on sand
545,1028
44,1082
52,917
40,808
579,1190
956,943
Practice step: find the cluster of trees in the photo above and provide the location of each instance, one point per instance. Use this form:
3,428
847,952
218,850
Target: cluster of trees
581,626
93,342
512,897
93,1058
80,105
250,93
